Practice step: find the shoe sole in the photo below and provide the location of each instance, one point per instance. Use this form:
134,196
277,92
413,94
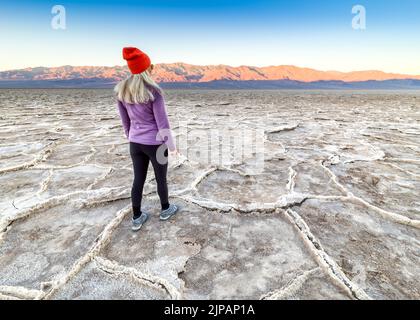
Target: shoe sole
164,219
135,229
138,228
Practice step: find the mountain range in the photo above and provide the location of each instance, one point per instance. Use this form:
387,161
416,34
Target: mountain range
182,75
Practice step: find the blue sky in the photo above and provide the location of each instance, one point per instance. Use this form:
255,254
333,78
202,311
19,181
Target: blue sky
307,33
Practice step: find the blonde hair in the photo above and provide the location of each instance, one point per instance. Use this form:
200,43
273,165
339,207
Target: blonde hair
137,88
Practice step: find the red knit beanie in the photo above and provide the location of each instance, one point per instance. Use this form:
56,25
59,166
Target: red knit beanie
137,60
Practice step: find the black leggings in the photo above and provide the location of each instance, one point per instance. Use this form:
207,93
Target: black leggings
141,154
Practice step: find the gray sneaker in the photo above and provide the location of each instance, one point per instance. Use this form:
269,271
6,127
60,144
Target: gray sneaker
138,223
166,214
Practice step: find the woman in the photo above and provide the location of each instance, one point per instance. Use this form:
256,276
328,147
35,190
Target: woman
146,125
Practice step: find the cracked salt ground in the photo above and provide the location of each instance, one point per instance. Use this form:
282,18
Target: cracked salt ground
333,215
206,254
241,189
381,185
115,283
381,257
35,250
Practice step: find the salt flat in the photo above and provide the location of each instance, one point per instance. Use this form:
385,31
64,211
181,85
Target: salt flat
334,213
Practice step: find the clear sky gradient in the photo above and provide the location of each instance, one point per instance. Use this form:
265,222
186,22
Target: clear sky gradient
306,33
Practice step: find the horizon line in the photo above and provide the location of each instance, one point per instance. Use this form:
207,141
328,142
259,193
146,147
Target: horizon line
217,65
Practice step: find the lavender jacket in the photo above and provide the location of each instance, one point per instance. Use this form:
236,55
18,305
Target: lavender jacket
147,123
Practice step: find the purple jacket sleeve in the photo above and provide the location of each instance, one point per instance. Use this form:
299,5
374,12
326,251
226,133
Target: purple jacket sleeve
162,121
124,118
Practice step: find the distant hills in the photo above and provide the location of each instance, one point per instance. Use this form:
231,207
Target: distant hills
182,75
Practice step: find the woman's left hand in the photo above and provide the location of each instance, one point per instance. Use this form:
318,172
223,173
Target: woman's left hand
174,153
